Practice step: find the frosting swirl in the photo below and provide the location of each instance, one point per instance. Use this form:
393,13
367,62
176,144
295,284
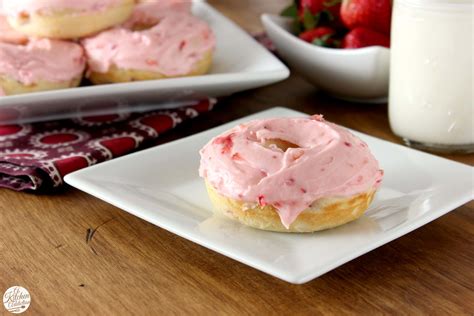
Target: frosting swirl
324,160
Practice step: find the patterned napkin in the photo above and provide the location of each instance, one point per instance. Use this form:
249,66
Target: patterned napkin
265,41
36,157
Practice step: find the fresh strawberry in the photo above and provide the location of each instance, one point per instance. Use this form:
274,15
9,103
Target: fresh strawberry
317,6
309,14
314,13
314,6
363,37
321,36
335,14
373,14
315,33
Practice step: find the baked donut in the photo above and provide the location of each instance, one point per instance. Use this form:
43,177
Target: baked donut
66,19
290,174
178,45
39,65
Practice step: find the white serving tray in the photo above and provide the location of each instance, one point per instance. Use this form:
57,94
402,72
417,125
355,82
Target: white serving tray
240,63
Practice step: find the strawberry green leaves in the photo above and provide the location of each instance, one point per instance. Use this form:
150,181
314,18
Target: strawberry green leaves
310,21
290,11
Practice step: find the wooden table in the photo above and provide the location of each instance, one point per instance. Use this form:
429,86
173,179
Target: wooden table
133,267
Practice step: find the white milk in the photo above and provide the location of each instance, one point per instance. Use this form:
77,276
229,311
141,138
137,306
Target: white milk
431,81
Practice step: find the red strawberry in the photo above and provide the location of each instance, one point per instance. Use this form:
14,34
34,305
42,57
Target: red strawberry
335,11
316,6
363,37
226,142
321,11
372,14
321,36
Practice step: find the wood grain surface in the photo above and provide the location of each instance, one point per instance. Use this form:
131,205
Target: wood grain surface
78,255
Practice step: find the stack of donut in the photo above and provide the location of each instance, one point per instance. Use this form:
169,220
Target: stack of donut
52,44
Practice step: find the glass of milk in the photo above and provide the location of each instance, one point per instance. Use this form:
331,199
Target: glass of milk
431,80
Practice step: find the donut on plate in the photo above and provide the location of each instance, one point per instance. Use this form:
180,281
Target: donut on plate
178,45
32,65
290,174
66,19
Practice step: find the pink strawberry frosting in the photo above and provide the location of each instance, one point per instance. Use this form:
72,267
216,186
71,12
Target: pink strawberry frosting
151,11
8,35
18,7
329,162
42,59
171,47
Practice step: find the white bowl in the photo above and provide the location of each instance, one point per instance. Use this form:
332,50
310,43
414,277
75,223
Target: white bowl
355,74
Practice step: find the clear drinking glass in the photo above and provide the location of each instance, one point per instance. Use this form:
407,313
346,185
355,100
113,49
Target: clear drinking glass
431,80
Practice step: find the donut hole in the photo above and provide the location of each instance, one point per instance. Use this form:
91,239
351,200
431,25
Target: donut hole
281,144
142,26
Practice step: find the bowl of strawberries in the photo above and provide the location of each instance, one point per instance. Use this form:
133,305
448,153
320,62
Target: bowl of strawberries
341,46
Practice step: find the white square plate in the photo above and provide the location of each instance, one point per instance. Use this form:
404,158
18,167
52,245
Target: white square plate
239,63
161,185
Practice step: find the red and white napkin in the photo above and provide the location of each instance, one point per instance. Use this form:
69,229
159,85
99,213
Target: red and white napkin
36,157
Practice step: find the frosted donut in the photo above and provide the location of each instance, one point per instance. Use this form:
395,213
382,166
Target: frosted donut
39,65
290,174
178,45
66,19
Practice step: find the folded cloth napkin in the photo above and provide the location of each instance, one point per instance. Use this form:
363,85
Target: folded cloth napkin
265,41
36,157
